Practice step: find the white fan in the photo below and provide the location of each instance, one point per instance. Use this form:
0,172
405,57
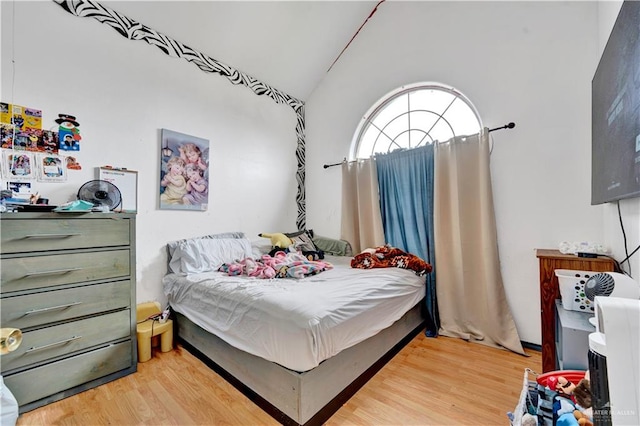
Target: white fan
103,194
613,284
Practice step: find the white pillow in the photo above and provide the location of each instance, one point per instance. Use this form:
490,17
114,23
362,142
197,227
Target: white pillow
207,255
174,255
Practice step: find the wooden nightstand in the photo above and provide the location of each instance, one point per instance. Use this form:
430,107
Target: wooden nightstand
550,260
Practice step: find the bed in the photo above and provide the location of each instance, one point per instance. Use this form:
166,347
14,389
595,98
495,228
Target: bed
298,347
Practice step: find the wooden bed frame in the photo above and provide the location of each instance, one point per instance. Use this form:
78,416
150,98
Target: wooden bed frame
307,398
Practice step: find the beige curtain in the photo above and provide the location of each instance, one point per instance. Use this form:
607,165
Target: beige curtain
361,219
471,298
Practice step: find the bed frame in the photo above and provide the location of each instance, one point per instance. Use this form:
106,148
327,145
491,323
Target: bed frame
307,398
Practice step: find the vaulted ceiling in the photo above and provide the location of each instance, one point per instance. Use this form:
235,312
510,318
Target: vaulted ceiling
289,45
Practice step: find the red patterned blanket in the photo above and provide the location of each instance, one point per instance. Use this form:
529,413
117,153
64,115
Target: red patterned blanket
390,257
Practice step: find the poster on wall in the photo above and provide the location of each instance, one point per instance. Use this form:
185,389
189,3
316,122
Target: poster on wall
7,133
21,117
184,172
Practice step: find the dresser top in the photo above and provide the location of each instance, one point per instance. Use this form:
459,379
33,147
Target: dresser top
73,215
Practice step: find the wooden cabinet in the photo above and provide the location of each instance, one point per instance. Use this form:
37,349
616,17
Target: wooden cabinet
68,282
550,260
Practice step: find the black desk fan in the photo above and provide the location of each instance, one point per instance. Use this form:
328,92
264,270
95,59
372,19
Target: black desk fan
104,195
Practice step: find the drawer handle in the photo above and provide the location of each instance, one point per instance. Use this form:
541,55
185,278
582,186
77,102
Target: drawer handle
52,308
52,272
61,342
51,235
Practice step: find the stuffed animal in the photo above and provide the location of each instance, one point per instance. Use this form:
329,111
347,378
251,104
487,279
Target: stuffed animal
582,418
582,393
278,239
564,386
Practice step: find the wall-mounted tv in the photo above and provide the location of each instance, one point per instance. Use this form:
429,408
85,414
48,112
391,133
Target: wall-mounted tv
615,145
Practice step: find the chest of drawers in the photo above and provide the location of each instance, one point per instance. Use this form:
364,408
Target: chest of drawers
68,282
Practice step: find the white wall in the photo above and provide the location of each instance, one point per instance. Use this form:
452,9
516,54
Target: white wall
527,62
629,209
122,93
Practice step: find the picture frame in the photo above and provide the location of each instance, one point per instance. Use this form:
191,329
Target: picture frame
127,183
184,172
51,168
18,165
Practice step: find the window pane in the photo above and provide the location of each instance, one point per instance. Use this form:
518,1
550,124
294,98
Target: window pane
396,126
365,147
390,111
422,120
419,138
420,115
441,132
462,118
402,140
431,100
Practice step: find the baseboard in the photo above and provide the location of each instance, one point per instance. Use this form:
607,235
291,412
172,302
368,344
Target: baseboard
531,346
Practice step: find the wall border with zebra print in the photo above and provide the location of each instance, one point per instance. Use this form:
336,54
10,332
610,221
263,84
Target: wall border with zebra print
134,30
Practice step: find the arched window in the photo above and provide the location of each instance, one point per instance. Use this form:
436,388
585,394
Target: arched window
412,116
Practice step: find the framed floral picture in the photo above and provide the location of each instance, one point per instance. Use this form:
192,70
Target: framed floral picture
184,172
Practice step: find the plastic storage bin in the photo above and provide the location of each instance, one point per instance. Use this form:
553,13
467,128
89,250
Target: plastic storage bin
571,285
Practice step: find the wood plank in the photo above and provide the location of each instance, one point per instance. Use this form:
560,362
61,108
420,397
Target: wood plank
442,381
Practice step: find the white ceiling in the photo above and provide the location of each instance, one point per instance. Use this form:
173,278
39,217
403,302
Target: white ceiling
289,45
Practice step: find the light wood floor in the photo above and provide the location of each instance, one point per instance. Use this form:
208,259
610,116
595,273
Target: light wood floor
442,381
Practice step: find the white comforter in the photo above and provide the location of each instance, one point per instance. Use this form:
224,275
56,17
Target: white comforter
297,323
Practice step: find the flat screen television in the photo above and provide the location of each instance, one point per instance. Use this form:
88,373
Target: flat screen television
615,145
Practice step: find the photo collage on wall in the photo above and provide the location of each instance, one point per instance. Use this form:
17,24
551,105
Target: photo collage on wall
31,153
184,172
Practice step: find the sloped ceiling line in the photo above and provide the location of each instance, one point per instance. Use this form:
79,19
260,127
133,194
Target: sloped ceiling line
134,30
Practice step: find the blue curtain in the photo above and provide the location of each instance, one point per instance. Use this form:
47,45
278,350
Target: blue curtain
405,180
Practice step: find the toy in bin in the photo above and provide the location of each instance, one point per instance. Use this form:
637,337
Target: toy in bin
570,396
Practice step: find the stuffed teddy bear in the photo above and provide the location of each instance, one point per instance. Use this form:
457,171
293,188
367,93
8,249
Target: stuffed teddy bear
278,239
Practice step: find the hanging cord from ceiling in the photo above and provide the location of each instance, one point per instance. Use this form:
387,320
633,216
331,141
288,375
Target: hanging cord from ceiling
13,69
511,125
355,35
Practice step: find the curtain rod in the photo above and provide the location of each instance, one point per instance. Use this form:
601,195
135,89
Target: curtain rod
511,125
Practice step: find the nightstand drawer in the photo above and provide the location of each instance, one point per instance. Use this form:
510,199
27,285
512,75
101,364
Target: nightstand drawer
31,235
47,343
51,306
25,273
41,382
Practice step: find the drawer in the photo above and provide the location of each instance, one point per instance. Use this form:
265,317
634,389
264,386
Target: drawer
47,343
31,235
51,306
41,382
25,273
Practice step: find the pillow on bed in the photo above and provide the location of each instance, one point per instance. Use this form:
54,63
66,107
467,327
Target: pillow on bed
303,240
333,246
260,247
208,254
174,258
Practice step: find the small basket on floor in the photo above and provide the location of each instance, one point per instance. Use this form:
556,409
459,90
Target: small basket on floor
536,399
527,403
